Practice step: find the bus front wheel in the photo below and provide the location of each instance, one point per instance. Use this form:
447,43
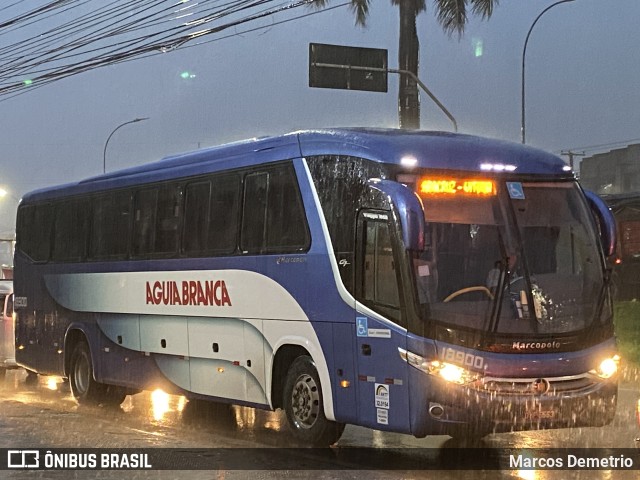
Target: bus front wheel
84,388
304,406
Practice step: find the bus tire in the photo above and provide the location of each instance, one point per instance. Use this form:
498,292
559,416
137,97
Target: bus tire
304,407
83,386
113,395
32,378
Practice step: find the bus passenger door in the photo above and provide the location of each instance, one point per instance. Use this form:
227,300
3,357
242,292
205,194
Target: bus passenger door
383,399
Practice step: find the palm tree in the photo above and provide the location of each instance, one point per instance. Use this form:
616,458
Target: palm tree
452,16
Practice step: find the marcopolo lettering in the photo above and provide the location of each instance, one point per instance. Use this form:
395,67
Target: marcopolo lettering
188,292
535,345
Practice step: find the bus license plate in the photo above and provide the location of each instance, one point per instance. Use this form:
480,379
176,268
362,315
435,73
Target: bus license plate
539,415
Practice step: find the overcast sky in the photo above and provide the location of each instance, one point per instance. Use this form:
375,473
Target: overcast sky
581,88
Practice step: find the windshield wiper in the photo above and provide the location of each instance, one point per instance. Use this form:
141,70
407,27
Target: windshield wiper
494,318
499,294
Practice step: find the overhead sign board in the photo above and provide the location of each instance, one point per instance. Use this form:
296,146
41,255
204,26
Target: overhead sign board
350,68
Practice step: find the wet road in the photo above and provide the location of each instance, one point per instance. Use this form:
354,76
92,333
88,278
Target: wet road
45,415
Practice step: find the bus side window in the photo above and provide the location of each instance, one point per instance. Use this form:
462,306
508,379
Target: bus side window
70,228
211,216
287,225
144,219
273,215
196,217
167,219
254,217
110,226
223,220
35,223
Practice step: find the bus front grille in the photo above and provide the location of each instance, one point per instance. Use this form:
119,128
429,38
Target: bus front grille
567,385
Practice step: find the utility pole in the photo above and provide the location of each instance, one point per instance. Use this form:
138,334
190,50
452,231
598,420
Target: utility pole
571,154
408,98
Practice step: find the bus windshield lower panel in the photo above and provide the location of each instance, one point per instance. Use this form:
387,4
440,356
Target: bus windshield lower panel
512,264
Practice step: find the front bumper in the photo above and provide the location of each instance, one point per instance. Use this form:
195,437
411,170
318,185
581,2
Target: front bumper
454,410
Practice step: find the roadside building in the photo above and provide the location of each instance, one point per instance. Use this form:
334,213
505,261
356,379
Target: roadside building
615,175
613,172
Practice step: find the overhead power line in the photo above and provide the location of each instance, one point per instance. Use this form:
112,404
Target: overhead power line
602,146
81,36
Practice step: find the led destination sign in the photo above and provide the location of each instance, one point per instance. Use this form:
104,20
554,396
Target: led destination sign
453,186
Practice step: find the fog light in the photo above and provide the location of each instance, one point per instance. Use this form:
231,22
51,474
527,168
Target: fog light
436,410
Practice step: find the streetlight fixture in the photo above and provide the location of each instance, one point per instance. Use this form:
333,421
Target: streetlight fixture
6,193
524,52
104,153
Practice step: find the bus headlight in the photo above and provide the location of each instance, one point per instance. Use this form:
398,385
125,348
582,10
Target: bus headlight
451,373
446,371
608,367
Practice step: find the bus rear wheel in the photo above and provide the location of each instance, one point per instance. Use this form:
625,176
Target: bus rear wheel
304,406
84,388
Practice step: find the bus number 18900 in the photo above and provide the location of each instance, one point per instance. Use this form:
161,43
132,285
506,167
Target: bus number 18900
462,358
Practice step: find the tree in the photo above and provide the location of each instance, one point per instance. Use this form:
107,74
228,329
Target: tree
452,16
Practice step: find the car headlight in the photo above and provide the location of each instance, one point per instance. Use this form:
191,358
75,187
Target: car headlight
607,367
446,371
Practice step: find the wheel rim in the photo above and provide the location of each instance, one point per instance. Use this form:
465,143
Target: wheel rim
305,401
81,375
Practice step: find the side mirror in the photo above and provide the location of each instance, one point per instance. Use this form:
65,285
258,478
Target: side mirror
409,208
606,222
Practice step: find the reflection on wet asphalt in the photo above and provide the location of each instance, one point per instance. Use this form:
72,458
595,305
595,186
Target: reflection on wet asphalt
43,414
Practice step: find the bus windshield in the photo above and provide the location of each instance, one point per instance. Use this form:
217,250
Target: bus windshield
524,259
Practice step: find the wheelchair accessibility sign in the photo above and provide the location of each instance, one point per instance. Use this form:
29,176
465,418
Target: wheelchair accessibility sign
362,329
515,190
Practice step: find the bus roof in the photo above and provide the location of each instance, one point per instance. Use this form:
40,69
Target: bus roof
426,149
431,149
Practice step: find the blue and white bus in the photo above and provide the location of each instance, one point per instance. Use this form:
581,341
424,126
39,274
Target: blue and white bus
416,282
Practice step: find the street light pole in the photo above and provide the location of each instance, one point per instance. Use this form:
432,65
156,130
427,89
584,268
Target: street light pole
104,153
408,73
524,52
